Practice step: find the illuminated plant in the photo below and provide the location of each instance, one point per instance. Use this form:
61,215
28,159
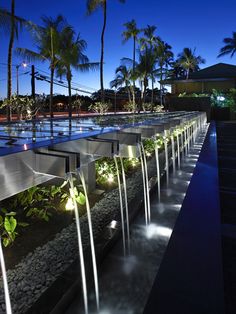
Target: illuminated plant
100,107
8,225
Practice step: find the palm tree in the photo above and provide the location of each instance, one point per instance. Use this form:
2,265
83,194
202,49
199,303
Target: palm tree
93,5
131,32
123,77
47,38
164,57
147,44
230,46
189,61
11,24
71,55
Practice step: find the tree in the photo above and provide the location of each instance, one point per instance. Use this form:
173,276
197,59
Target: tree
71,55
164,57
147,44
131,32
93,5
123,77
11,24
47,39
230,46
189,61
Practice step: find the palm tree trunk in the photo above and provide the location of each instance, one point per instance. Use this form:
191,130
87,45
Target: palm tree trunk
128,91
187,74
51,92
161,75
69,97
134,50
102,49
152,95
9,61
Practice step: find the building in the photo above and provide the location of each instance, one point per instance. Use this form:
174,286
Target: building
220,76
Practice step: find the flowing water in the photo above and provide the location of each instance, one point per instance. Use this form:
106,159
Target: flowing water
80,245
166,161
5,284
147,184
178,150
126,205
173,152
121,206
144,185
126,281
94,262
158,173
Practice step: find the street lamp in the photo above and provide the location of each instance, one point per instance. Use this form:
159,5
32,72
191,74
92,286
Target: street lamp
24,65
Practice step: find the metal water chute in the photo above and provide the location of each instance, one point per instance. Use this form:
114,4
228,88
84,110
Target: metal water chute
128,142
23,170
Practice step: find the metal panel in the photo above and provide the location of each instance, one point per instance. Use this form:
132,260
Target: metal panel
53,164
91,146
17,173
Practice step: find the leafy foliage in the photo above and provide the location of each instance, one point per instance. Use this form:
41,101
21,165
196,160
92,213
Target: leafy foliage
8,225
100,107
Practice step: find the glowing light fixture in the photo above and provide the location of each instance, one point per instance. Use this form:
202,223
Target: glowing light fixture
70,204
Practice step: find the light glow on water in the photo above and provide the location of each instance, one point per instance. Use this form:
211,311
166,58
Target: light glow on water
154,231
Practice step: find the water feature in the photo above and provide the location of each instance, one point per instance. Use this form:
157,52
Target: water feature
93,254
166,158
126,204
126,282
178,149
5,283
173,151
147,182
80,245
148,213
144,185
121,206
158,172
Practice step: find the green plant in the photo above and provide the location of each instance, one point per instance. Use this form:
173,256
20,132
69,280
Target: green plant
8,224
106,171
100,107
131,107
37,201
147,106
158,108
149,146
79,196
25,106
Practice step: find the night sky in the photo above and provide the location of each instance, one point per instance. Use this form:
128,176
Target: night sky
202,24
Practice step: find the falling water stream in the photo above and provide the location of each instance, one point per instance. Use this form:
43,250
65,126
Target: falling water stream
178,150
182,143
121,206
158,173
80,245
173,152
5,284
185,140
94,262
166,160
144,184
147,184
126,205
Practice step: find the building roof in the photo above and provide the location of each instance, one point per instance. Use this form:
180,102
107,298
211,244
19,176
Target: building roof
214,72
219,70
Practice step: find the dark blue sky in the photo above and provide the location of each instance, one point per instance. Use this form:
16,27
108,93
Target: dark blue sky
202,24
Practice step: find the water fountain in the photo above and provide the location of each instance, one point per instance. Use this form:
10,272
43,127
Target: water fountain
58,155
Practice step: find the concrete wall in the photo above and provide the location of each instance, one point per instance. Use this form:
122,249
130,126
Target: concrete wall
191,104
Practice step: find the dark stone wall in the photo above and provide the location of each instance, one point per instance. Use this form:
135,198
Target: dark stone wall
190,104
